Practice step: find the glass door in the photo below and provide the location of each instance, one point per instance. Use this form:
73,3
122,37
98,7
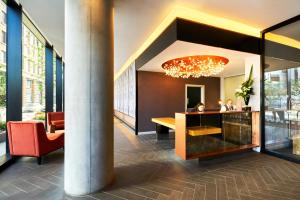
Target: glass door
281,124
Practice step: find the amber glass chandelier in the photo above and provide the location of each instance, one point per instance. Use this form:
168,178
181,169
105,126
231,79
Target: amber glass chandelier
195,66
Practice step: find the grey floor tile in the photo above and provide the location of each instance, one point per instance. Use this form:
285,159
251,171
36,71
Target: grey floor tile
149,169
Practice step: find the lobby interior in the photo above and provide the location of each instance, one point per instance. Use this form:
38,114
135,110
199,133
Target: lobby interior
149,99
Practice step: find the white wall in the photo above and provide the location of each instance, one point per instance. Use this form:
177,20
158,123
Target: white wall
255,61
230,85
222,90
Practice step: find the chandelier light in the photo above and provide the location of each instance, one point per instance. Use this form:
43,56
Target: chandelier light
195,66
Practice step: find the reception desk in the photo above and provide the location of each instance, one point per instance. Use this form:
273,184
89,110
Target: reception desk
204,134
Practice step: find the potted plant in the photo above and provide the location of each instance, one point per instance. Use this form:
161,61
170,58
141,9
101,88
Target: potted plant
246,90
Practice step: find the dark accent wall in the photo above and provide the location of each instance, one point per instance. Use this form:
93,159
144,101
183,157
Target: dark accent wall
161,96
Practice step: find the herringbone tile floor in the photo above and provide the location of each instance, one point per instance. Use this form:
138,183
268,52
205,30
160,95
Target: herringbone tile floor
147,169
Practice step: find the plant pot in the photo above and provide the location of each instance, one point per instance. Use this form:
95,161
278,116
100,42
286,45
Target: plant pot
246,100
246,108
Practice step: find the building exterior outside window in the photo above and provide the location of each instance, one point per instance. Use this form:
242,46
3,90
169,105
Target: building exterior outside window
33,75
3,57
3,15
3,37
3,79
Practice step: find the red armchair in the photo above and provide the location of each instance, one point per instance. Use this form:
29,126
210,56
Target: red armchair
30,139
55,121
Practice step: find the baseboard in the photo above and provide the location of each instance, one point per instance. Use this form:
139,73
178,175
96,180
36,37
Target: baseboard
152,132
146,132
124,122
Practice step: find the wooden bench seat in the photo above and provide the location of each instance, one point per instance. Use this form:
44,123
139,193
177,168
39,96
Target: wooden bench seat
163,124
203,130
165,121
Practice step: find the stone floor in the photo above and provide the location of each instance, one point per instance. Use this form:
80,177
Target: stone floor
147,169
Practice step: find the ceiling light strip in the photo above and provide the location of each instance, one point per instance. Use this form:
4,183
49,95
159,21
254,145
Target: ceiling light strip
282,40
165,23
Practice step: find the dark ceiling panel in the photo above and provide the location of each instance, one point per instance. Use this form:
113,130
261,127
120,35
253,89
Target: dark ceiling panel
189,31
167,38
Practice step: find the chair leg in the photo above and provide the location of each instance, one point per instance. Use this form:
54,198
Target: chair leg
39,160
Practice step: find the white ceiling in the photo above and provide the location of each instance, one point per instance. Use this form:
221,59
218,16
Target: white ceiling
48,15
136,19
236,65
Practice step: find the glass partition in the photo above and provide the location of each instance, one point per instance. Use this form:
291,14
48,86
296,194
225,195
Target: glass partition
282,91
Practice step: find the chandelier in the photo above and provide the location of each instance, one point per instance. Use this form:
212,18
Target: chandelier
195,66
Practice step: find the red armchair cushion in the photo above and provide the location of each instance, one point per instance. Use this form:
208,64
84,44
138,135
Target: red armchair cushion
55,116
59,124
22,141
30,139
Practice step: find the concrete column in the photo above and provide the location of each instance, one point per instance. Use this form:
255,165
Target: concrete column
89,95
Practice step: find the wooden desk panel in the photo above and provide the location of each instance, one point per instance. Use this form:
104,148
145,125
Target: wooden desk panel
183,134
180,135
203,130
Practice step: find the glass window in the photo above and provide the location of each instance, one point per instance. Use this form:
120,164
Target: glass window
3,82
33,75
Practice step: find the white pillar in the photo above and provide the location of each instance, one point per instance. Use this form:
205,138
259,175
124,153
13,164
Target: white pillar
89,95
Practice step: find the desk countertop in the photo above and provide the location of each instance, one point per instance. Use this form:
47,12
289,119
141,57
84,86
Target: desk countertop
213,112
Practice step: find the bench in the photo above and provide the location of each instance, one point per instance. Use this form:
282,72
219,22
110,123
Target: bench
163,124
